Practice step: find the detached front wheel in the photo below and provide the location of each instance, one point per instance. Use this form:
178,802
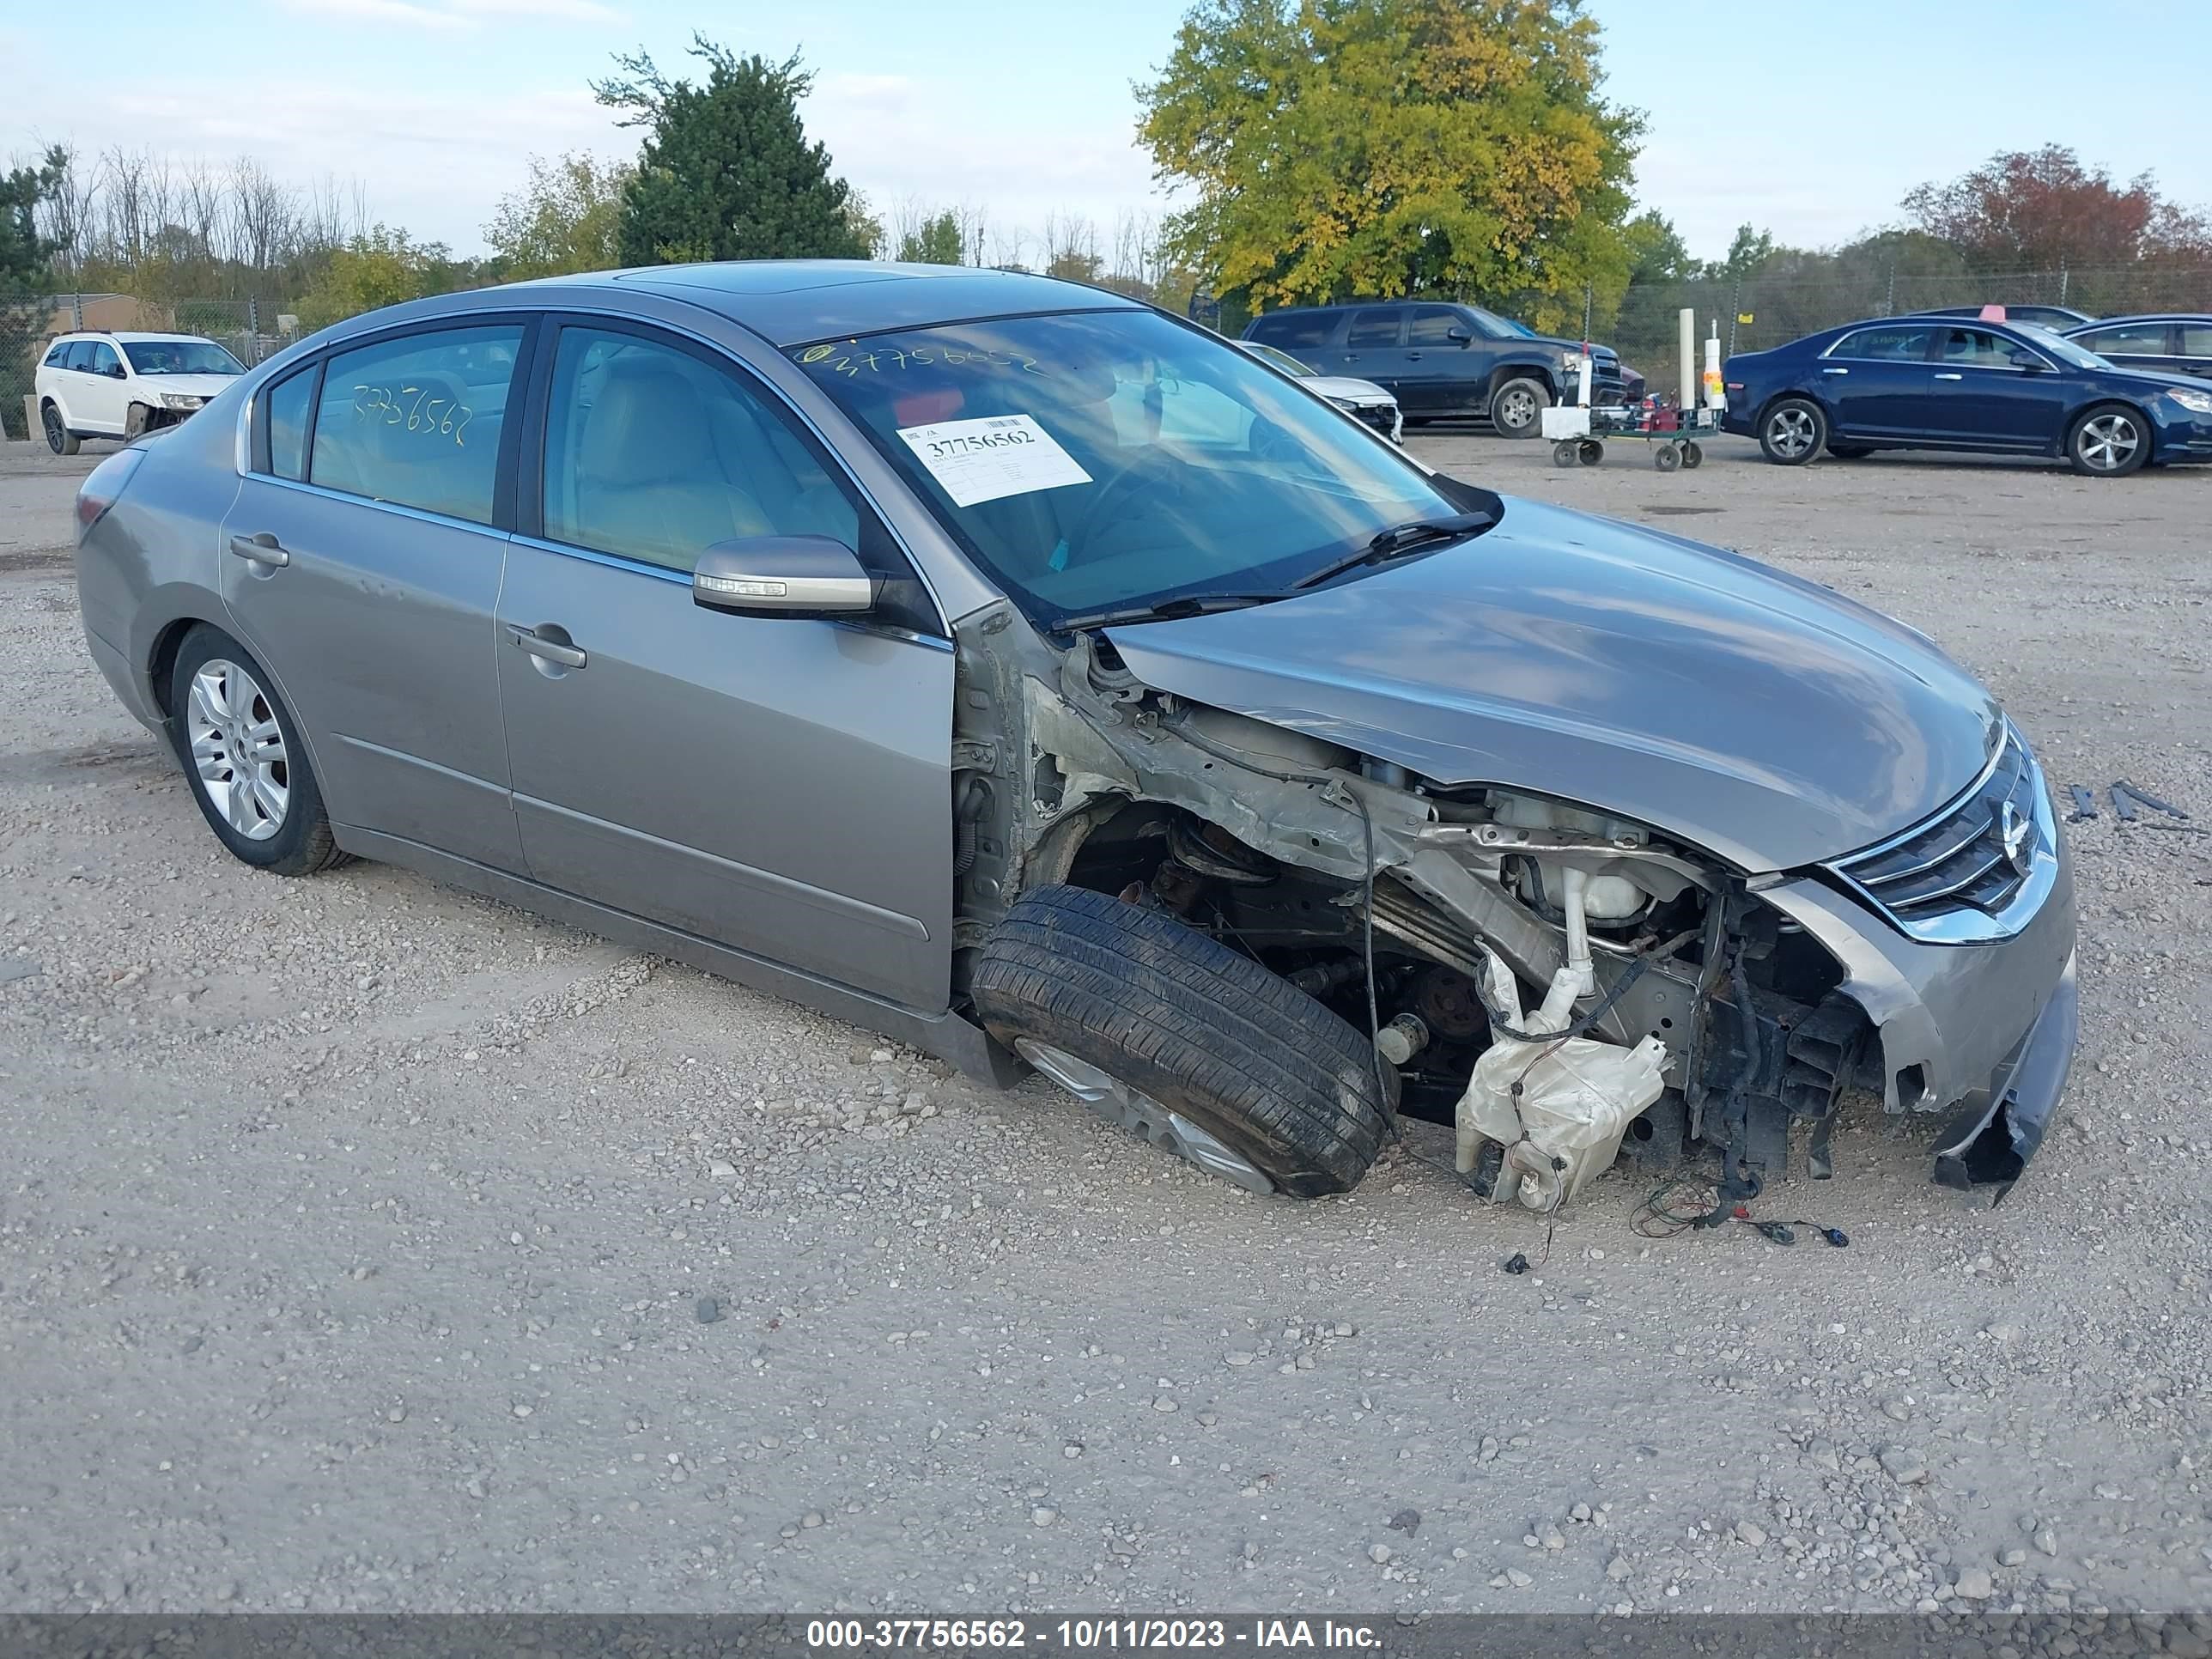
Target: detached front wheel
1178,1037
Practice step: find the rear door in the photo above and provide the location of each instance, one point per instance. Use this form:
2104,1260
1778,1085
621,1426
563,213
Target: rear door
1994,392
780,785
1374,346
1877,382
363,566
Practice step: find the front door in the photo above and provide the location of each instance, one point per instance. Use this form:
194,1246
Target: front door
1440,373
779,785
362,567
107,393
1993,391
1876,383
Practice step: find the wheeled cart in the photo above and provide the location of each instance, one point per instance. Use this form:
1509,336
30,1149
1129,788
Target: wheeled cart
1578,435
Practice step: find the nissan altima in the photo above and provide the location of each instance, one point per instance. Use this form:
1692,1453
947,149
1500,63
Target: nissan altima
1025,674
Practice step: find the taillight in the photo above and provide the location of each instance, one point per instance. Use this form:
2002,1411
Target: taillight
103,488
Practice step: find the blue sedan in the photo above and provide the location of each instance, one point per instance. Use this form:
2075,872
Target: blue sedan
1935,383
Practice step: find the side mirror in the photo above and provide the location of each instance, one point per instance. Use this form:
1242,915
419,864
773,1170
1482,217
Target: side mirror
1458,336
2029,361
118,373
783,576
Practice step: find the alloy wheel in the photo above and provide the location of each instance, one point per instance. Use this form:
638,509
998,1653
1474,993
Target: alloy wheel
2105,443
238,749
57,434
1791,432
1517,408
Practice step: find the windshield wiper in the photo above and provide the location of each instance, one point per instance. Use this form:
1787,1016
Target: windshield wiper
1401,538
1182,604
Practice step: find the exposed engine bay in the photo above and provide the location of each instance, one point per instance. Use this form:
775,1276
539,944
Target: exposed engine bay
1560,987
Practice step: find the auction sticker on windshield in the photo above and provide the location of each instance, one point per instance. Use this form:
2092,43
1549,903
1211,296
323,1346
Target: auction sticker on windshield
999,455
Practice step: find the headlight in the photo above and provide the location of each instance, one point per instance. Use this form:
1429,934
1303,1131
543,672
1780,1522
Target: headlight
2198,403
1571,361
180,400
1345,404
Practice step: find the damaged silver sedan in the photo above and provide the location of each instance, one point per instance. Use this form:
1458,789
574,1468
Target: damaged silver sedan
1024,672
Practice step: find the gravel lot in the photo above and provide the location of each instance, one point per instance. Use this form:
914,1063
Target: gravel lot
365,1246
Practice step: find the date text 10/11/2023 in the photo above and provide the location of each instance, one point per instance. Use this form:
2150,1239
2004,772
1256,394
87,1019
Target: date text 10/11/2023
1086,1635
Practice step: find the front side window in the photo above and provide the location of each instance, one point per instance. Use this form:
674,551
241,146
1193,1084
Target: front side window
1884,344
2135,340
1296,330
2196,339
654,454
416,420
180,357
104,360
1432,325
1371,329
1976,348
1101,460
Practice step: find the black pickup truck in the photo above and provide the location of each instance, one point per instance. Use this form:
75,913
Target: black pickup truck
1442,360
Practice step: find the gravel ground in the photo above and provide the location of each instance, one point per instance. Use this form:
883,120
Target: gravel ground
365,1246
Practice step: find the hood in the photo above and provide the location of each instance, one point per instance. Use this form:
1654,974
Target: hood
1343,386
2159,379
1767,719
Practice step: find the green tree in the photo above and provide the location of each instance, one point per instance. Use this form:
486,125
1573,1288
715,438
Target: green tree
1656,251
1749,252
564,220
1339,147
26,279
727,171
380,267
935,241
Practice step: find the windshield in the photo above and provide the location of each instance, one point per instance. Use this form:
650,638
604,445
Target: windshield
2060,347
180,357
1505,326
1095,461
1282,360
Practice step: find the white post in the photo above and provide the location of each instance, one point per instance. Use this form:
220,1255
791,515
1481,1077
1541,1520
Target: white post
1716,394
1688,324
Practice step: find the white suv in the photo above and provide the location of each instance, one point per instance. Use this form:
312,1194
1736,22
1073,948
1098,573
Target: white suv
118,385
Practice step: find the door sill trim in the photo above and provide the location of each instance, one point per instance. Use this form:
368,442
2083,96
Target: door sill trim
943,1034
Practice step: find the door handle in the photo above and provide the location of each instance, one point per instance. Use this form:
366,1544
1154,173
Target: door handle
1835,371
1412,357
568,656
260,549
1950,377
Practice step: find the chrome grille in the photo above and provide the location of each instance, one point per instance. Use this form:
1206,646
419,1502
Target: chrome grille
1975,854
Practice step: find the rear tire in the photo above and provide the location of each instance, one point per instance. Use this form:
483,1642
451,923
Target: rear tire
1791,432
60,438
243,757
1517,408
2108,441
1189,1026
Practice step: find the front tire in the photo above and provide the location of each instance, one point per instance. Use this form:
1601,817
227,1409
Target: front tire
1162,1020
1517,408
1792,431
60,438
2108,441
242,755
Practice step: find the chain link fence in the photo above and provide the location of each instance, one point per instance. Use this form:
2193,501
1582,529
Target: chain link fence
1756,312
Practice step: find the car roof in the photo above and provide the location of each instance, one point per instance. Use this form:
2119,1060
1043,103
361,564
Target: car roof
792,302
130,337
2144,317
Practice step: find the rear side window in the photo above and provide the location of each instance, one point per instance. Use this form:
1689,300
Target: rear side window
1293,329
416,420
2134,340
654,454
1885,344
288,404
1371,329
79,355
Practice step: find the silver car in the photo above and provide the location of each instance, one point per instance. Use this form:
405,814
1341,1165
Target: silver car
1027,674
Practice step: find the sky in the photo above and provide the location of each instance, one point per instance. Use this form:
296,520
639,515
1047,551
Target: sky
1808,120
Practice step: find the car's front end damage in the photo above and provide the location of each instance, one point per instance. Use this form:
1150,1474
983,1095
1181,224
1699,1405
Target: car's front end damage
1505,912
